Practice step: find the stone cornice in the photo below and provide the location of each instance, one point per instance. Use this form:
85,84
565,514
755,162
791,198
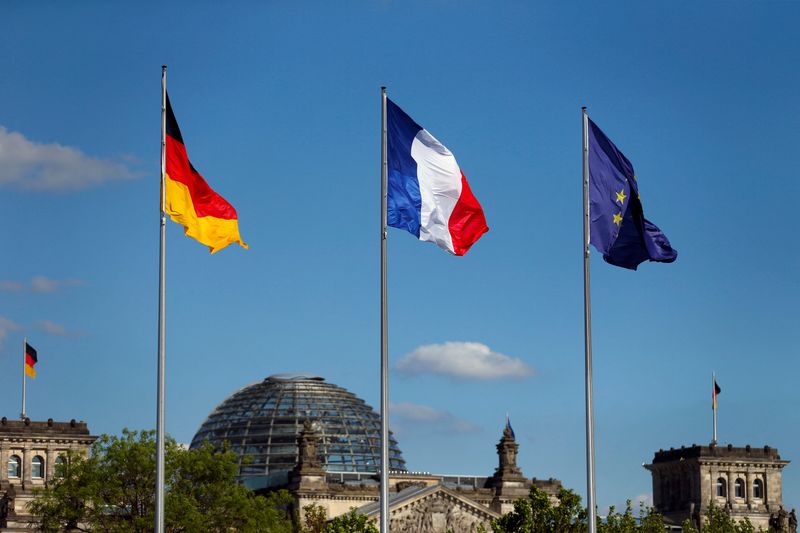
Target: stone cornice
49,440
440,492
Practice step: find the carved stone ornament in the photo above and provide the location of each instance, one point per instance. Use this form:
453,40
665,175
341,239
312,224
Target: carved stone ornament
308,444
507,450
437,514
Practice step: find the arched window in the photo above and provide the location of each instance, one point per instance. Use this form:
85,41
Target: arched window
37,467
59,465
14,466
758,489
721,487
738,488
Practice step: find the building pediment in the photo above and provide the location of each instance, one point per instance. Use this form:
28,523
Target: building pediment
435,509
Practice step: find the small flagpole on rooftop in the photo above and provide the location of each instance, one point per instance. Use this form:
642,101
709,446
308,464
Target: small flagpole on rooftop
24,355
384,495
714,406
587,330
159,518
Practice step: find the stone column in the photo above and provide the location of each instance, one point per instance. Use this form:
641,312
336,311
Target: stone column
748,489
27,455
772,487
712,493
731,487
49,465
4,455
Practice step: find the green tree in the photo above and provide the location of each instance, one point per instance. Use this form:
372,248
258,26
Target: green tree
314,519
63,505
113,490
351,522
537,514
717,520
649,521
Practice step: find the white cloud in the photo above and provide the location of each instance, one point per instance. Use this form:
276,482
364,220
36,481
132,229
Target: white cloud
6,327
10,286
464,360
52,328
41,284
45,284
416,412
405,416
28,165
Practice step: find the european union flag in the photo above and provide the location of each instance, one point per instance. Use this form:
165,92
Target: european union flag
618,227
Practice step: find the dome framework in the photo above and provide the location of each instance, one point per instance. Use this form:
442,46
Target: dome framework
261,422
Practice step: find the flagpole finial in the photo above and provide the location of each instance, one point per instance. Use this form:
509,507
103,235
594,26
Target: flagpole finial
163,67
583,108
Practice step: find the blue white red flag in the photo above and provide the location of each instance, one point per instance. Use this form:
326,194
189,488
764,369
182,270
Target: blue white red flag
427,193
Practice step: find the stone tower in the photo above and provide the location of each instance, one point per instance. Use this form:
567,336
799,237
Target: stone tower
508,482
745,481
29,454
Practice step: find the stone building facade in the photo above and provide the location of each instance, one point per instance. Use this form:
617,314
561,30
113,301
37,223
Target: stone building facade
29,453
745,481
418,502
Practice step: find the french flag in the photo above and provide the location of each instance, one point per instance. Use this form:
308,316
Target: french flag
427,194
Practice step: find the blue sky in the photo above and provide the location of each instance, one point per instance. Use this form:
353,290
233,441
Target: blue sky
279,107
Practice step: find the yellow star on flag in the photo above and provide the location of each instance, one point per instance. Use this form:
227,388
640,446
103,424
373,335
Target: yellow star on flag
618,218
621,196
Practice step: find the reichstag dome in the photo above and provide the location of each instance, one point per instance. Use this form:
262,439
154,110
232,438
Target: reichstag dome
261,423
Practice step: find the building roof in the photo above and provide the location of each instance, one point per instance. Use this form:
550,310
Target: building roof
28,428
746,453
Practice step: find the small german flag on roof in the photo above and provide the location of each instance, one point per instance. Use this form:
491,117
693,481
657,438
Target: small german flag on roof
31,359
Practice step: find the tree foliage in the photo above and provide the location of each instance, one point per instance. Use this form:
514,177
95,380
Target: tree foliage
538,514
648,521
315,520
717,520
351,522
113,490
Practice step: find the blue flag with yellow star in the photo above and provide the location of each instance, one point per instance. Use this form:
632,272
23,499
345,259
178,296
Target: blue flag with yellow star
618,227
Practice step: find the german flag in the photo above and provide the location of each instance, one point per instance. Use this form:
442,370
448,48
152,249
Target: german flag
205,215
30,360
716,392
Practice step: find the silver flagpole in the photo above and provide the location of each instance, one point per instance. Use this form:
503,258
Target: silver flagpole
24,354
587,331
162,270
384,496
714,405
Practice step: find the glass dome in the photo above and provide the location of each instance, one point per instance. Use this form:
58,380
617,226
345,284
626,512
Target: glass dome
261,423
